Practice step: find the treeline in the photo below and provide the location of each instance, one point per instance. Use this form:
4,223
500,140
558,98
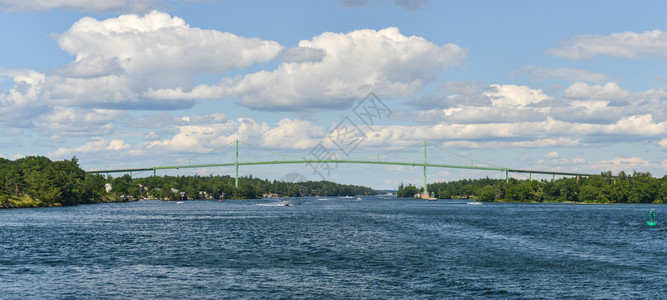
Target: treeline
36,181
638,187
215,187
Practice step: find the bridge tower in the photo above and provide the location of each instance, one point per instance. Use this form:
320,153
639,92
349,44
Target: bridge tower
425,177
236,179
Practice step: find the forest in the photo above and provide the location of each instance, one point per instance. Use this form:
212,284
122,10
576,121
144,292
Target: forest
215,187
36,181
638,187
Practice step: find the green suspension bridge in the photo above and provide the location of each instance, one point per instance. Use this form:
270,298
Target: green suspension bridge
425,164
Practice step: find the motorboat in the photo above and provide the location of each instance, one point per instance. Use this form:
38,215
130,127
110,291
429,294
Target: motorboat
285,203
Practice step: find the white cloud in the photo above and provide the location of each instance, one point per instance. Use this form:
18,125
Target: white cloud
92,66
120,59
97,145
287,134
623,163
512,95
302,54
535,143
494,104
551,155
627,44
609,91
78,122
477,114
20,104
663,143
542,73
385,61
214,118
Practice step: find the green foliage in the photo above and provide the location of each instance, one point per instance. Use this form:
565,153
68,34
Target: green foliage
36,181
638,187
197,187
488,194
407,191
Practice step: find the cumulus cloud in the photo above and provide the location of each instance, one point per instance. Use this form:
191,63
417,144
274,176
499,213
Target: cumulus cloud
609,91
118,60
551,155
514,96
20,104
355,63
476,114
288,134
302,54
541,73
97,145
663,143
92,66
627,44
545,133
623,163
78,122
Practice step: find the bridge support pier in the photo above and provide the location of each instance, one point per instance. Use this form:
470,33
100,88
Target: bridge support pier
236,179
425,177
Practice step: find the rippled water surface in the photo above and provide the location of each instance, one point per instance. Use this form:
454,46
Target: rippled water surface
333,249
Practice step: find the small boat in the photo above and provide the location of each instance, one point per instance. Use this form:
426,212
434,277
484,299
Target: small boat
285,203
346,197
179,202
652,222
358,198
474,203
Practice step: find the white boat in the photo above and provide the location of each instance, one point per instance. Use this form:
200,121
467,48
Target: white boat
179,202
474,203
285,203
346,197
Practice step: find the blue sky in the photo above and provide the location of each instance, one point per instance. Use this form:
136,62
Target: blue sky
575,86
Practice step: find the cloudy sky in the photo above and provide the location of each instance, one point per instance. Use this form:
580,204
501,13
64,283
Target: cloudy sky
577,86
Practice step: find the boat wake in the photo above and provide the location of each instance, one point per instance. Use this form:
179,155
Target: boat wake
284,203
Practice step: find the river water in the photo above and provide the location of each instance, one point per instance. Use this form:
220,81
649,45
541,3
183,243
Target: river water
333,249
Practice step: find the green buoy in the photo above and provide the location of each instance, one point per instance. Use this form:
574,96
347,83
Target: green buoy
651,219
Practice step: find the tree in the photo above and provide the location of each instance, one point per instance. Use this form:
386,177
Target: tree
407,192
488,194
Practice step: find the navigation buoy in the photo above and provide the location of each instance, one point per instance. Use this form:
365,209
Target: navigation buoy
652,222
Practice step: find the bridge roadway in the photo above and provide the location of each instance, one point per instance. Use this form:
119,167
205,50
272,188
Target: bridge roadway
373,162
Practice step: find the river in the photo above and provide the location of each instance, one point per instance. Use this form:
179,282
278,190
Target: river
371,248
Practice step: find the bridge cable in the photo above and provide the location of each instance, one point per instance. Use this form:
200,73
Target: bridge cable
466,158
387,152
183,160
270,151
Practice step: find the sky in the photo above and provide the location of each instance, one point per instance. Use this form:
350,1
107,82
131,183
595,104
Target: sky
572,86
